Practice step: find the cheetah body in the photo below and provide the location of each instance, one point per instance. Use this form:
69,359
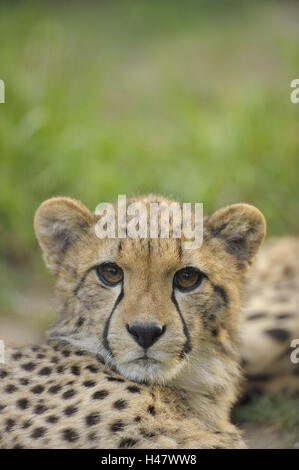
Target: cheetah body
58,397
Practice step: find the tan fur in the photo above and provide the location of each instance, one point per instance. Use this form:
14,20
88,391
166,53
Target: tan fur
181,397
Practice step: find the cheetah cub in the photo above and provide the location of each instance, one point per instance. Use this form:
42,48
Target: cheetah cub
145,353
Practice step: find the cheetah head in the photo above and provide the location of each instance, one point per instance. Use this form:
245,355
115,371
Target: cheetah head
150,307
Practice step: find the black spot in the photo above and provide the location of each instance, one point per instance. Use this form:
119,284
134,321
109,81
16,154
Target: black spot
37,389
10,388
2,407
80,322
147,434
45,371
9,424
52,419
92,418
75,370
151,410
117,426
80,353
244,363
89,383
256,316
17,356
66,353
38,432
100,394
24,381
70,435
114,379
54,360
60,369
26,424
70,410
259,377
283,316
133,389
137,419
54,389
92,369
29,366
214,332
40,356
23,403
3,374
68,394
92,436
127,443
35,348
120,404
278,334
40,409
70,382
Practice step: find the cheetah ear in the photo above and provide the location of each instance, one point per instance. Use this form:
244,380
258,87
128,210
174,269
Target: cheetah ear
242,227
58,223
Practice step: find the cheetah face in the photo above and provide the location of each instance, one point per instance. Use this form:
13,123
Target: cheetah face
147,306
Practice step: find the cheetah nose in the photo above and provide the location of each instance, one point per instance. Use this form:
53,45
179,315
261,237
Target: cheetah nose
145,334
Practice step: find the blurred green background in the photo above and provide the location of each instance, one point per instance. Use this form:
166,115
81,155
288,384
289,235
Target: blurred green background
186,98
190,99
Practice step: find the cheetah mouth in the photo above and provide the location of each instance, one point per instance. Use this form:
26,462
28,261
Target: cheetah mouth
145,360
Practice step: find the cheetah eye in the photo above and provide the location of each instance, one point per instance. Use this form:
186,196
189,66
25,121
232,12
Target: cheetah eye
187,279
110,274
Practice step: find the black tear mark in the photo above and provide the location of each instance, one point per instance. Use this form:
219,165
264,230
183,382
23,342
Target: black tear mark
107,324
278,334
187,346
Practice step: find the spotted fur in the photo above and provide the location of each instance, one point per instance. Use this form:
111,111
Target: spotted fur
89,385
271,306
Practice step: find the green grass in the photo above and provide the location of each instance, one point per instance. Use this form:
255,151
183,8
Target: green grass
278,412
